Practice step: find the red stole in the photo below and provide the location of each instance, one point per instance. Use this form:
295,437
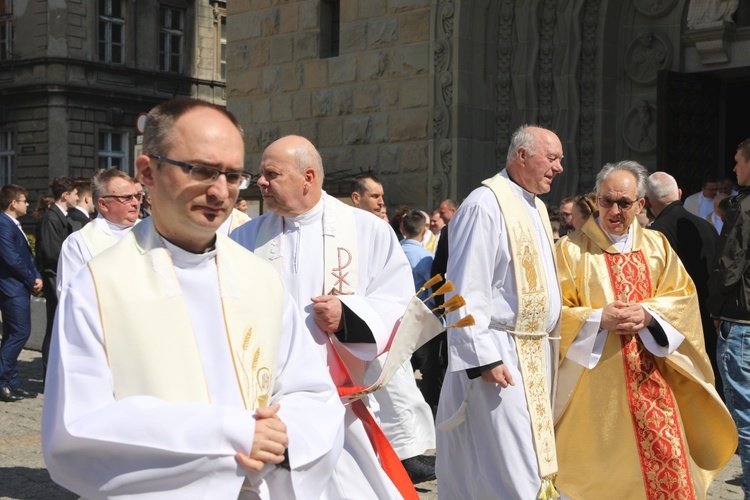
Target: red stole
661,442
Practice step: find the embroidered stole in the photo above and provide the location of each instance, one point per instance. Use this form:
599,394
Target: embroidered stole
530,330
341,277
656,420
341,270
148,334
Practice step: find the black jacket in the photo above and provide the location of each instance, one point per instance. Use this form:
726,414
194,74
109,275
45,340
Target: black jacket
729,283
51,231
694,241
77,219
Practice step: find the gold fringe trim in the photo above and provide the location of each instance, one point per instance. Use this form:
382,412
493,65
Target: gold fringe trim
547,491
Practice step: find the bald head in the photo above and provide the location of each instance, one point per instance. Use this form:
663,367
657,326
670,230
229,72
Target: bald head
661,190
534,158
291,176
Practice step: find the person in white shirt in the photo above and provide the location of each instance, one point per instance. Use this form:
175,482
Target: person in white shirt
118,202
501,370
345,269
179,367
702,202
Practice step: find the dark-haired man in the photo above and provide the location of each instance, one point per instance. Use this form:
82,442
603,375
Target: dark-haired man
729,303
367,194
180,368
18,278
51,231
81,214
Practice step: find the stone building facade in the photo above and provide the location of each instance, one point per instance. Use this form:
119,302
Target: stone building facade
75,74
426,93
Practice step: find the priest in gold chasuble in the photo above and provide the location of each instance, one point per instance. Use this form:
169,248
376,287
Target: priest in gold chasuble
636,411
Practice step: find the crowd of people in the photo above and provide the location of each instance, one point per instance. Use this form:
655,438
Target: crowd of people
180,364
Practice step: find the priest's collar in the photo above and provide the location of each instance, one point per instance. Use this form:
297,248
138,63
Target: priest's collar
528,196
185,259
115,227
308,217
621,243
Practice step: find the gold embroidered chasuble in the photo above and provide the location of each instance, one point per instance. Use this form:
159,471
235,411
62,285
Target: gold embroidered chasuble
530,330
138,273
636,424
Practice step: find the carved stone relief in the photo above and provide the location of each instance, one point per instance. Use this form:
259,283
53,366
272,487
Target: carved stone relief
654,8
503,84
546,52
710,11
639,132
441,118
589,47
646,56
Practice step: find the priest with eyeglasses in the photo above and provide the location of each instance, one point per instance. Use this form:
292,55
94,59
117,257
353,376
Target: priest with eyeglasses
118,202
179,366
636,411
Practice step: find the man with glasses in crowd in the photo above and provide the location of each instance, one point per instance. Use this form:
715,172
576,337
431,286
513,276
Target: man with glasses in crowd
635,393
118,202
18,278
180,368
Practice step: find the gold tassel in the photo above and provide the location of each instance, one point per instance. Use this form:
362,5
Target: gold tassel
451,304
445,288
463,322
547,490
435,279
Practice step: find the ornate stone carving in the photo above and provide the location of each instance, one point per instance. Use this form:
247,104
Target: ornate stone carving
443,95
710,11
503,83
654,8
546,51
589,47
640,127
646,56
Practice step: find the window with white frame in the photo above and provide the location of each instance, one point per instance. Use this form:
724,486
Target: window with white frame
7,168
171,38
112,31
6,30
113,150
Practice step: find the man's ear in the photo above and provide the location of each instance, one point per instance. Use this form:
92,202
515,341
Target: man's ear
145,170
355,198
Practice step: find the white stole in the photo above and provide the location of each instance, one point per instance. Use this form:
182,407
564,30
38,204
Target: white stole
96,238
341,266
154,351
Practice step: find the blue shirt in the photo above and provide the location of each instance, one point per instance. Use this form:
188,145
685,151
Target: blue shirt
420,261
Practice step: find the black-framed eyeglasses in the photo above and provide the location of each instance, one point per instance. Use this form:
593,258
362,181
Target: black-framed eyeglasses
208,175
125,198
623,203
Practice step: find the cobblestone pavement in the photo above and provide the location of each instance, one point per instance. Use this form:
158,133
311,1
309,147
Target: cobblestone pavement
22,472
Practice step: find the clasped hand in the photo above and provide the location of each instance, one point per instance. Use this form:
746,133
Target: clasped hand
624,318
269,441
327,313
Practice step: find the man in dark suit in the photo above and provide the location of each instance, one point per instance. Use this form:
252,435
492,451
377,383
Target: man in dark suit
80,215
51,231
18,278
694,241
